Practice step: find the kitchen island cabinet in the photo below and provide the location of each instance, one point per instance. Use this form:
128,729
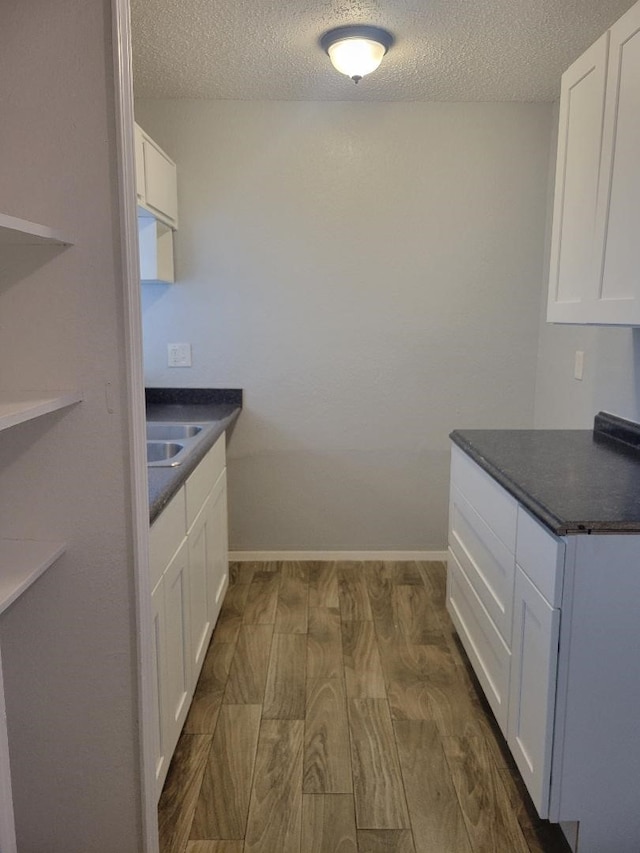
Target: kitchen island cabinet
543,584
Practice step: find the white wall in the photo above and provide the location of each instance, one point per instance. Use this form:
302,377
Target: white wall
69,643
611,375
370,275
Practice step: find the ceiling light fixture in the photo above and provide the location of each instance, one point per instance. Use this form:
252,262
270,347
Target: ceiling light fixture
356,50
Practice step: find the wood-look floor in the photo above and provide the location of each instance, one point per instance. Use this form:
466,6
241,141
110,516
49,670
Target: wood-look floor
336,713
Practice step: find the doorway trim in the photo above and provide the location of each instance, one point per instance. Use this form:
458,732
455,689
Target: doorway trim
141,585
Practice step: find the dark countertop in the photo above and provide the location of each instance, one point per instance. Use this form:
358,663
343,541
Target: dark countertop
164,483
573,481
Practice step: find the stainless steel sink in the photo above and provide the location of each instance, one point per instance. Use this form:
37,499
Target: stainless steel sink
163,452
170,443
159,431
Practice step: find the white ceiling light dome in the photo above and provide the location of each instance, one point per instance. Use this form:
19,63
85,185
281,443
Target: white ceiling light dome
356,50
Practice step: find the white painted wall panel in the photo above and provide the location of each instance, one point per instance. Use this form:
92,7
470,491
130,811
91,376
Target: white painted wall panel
370,274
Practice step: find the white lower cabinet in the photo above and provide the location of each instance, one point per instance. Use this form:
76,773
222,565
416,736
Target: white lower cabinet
550,627
200,539
159,685
532,691
177,583
189,566
220,548
502,565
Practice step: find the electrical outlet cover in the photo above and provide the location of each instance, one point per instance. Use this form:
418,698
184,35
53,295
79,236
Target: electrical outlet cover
179,355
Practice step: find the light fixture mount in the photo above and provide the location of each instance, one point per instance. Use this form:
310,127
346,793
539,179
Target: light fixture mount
356,50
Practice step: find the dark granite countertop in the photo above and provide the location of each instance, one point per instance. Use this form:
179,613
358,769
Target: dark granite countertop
187,405
573,481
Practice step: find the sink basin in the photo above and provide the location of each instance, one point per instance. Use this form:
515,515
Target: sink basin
169,443
158,431
163,452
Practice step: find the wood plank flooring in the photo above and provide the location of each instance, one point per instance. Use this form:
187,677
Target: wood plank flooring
336,713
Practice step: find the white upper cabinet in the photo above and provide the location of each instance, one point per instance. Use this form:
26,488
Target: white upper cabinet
156,179
155,244
157,195
595,252
572,276
618,221
139,149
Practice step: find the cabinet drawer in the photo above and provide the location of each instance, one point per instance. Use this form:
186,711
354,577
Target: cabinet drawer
486,560
489,656
541,557
490,500
204,478
166,535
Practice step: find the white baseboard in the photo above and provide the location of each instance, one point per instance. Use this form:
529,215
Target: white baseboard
332,556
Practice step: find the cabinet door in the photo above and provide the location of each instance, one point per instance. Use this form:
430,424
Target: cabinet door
200,539
219,547
161,751
618,225
160,183
166,535
177,649
572,275
532,692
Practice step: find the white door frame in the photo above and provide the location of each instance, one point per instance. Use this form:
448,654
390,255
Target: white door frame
141,589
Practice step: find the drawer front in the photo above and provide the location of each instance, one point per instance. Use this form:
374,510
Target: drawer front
486,496
540,555
166,535
203,479
489,656
487,562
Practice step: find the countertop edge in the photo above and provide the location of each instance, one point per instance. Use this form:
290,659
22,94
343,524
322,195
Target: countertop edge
181,473
558,526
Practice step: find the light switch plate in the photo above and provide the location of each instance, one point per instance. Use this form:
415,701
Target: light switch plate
179,355
578,365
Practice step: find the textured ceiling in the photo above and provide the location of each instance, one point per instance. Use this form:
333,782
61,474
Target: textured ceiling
445,50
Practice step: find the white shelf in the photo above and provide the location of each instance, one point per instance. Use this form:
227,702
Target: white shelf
20,232
16,407
21,563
